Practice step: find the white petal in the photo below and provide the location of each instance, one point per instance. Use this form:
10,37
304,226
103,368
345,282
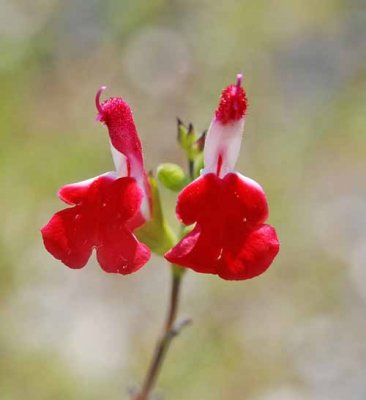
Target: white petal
223,140
119,160
137,172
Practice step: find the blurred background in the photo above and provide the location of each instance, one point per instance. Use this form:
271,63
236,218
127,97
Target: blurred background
298,332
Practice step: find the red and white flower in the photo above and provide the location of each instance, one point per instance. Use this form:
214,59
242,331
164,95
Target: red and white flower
230,237
108,208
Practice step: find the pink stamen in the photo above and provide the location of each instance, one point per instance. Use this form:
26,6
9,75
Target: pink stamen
97,99
239,79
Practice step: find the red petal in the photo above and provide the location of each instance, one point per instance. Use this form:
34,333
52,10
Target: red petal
255,254
75,193
196,198
244,197
197,250
120,252
98,220
69,236
233,104
126,144
117,115
229,238
121,199
118,249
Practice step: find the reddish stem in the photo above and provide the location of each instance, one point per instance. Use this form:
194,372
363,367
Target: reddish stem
162,346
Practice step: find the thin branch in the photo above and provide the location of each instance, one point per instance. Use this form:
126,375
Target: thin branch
169,332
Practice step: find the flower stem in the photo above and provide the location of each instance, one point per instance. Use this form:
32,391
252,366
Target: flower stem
170,330
191,169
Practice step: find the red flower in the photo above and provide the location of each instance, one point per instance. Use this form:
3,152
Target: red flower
230,238
106,209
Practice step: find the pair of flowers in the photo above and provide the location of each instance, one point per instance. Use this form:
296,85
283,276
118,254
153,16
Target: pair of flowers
229,238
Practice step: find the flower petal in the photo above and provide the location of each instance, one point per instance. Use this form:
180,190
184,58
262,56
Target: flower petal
74,193
222,146
252,257
121,200
223,139
244,198
100,219
126,145
198,250
197,197
118,250
233,103
69,236
229,238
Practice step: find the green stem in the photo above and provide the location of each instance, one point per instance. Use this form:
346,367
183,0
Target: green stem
191,169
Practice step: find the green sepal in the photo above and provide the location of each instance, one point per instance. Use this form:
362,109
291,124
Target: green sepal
156,233
182,132
172,176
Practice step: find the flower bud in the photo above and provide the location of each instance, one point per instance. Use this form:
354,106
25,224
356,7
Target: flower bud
172,176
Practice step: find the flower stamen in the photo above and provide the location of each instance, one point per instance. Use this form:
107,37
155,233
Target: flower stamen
97,99
239,79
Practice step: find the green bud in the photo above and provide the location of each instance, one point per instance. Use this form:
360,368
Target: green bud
193,145
187,139
172,176
182,131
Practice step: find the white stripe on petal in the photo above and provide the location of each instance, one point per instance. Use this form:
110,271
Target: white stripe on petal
137,172
223,140
119,160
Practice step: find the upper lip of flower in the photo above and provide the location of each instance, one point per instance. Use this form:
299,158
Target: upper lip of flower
126,146
224,135
233,103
